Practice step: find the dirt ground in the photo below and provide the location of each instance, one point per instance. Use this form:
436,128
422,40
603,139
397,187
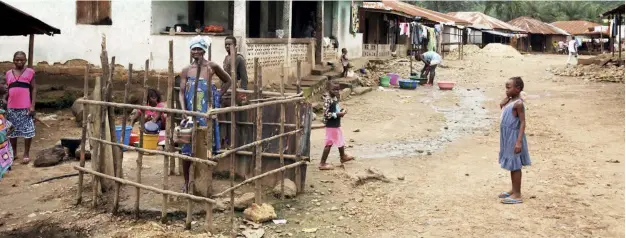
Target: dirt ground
438,148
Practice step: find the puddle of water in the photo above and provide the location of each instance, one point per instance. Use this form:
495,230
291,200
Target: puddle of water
462,119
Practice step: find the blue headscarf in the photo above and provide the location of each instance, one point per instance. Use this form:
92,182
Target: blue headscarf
200,42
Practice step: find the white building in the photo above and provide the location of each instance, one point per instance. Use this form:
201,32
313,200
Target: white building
136,30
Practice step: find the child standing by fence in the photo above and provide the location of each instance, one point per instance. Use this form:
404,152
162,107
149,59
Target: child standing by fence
513,145
334,136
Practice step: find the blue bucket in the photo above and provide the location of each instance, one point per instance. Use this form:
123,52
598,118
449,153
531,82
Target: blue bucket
118,134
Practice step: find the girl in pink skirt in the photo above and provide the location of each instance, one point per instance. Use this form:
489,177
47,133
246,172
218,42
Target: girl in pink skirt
332,118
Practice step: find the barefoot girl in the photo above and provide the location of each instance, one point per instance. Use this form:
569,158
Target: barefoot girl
21,103
199,46
332,118
513,146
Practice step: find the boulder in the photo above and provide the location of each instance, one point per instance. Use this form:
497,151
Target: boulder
244,201
345,93
290,189
362,90
49,157
77,111
260,214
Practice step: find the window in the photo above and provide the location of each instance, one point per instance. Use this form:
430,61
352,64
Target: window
93,12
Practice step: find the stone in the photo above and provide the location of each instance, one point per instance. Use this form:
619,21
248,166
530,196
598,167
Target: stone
345,93
77,111
87,154
244,201
249,233
49,157
362,90
290,189
259,214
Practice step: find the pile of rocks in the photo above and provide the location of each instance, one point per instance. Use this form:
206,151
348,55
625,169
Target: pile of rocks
595,73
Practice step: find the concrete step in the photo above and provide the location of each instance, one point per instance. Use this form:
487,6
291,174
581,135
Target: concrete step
313,78
346,82
333,75
320,70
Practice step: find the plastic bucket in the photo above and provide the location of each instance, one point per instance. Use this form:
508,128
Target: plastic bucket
161,136
384,81
393,78
134,138
150,141
118,134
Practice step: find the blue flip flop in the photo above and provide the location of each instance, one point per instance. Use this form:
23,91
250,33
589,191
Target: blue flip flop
511,201
504,195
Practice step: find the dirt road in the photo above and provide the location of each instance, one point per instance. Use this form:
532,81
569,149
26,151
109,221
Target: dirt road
439,149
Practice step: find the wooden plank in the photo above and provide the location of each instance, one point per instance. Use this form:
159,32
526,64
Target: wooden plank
118,171
259,134
142,127
169,130
233,131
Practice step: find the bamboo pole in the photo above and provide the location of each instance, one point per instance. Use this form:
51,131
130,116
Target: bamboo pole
259,133
246,146
142,150
141,133
168,129
142,107
118,171
233,68
194,135
104,58
142,186
255,178
265,154
275,98
83,137
196,114
243,123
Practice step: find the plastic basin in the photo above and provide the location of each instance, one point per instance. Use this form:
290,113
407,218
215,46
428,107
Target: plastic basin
408,84
445,85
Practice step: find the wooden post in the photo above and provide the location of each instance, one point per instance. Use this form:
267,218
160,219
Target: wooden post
118,171
233,231
97,130
297,135
141,133
83,138
212,125
194,135
169,135
31,46
259,133
281,141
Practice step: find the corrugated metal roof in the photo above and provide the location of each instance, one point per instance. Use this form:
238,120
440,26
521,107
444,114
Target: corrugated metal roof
412,10
577,27
482,20
534,26
619,9
22,23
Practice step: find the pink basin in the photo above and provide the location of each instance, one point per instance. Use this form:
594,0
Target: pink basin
445,85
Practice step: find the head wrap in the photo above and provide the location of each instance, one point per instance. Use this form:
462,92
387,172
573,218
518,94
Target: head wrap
200,42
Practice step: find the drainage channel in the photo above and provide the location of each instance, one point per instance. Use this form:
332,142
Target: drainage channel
466,117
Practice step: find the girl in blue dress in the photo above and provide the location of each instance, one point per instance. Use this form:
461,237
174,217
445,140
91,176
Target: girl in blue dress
513,145
199,46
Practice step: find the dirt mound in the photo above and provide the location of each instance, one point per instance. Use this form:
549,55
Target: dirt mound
468,50
500,50
592,72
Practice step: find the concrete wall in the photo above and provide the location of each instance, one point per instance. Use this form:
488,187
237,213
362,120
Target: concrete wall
449,35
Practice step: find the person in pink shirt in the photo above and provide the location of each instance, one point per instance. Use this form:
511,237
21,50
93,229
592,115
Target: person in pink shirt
153,100
22,91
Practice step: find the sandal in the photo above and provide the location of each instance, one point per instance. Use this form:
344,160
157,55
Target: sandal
25,160
346,159
504,195
511,201
326,167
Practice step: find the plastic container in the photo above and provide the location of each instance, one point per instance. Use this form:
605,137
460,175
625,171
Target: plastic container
420,81
150,141
393,78
445,85
161,136
408,84
134,138
384,81
118,134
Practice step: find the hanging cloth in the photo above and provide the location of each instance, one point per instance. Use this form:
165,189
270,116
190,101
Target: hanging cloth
431,40
415,31
405,29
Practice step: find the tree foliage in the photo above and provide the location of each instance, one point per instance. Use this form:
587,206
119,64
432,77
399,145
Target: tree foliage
546,11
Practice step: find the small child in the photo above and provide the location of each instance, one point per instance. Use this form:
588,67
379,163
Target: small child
6,152
345,62
153,100
332,118
513,145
